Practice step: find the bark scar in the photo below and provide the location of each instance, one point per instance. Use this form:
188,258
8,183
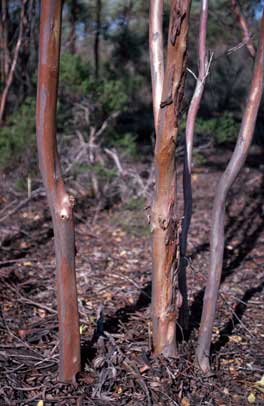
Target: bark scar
65,209
178,14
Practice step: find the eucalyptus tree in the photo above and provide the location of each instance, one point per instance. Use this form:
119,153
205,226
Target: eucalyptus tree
60,203
218,215
168,87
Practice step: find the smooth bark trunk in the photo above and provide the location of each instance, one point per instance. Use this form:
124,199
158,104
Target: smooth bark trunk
187,171
60,203
156,55
217,232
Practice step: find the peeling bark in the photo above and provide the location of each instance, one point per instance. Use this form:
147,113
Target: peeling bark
217,231
164,222
60,203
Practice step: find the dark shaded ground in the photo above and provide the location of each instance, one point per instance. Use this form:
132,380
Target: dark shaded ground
114,269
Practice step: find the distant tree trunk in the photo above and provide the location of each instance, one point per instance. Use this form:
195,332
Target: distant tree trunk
73,19
2,66
187,171
24,63
60,203
244,27
97,38
5,37
217,231
164,222
32,42
11,72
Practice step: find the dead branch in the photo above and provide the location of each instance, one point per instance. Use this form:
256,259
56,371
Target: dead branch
21,204
113,154
247,38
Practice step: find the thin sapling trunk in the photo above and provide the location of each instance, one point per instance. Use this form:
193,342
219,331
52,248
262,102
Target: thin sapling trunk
217,231
60,203
187,180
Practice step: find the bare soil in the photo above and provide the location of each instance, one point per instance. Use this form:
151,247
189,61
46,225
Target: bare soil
114,270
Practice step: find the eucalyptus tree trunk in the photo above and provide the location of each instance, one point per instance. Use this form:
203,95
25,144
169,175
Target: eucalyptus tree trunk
165,225
4,19
187,170
10,71
217,231
60,203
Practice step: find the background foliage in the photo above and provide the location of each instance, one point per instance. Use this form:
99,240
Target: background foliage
104,76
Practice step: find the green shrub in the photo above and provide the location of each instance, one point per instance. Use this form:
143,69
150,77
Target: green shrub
112,95
126,143
199,158
101,171
135,203
74,73
224,129
17,138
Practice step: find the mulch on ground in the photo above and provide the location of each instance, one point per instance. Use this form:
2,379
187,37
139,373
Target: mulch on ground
114,276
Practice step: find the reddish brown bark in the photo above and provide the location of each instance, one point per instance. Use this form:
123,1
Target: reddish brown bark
60,202
244,27
11,72
187,181
217,232
164,223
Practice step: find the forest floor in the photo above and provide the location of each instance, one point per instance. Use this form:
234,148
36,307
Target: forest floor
114,270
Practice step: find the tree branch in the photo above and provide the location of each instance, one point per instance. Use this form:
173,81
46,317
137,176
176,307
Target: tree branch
247,40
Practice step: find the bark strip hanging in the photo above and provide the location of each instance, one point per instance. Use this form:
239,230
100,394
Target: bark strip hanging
164,222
